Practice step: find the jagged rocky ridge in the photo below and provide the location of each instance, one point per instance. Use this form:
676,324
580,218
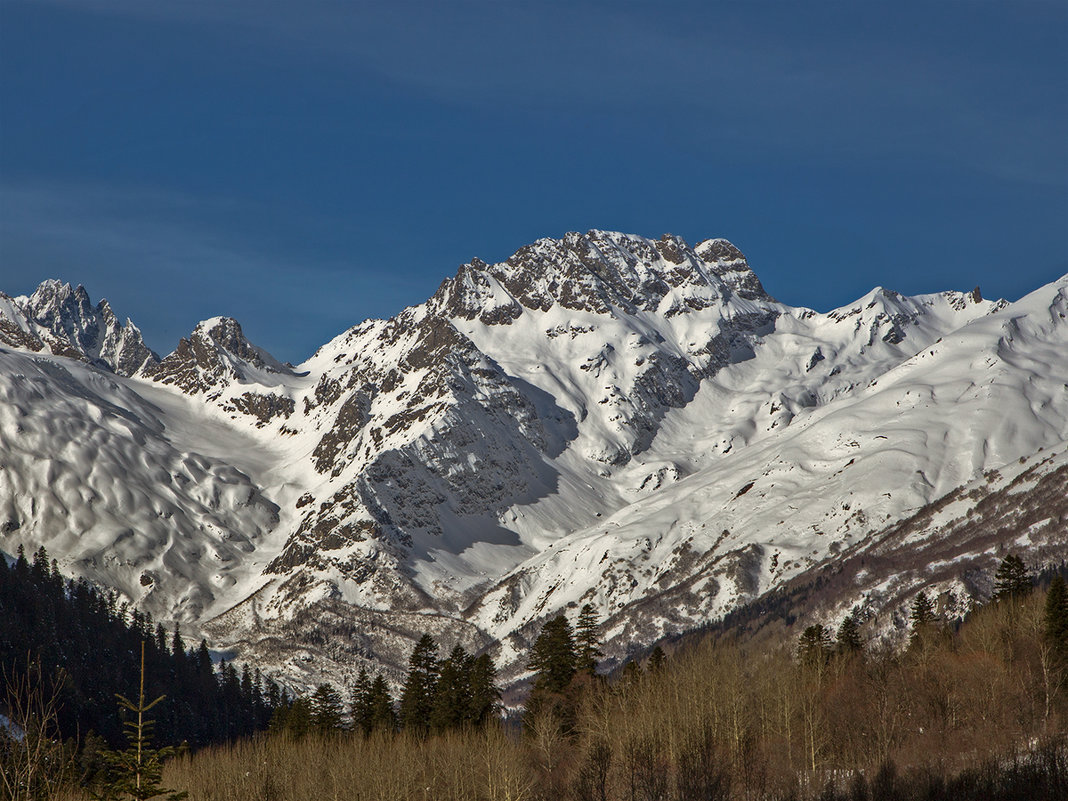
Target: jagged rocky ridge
606,418
59,319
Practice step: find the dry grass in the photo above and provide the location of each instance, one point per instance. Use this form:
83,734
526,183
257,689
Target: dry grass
381,768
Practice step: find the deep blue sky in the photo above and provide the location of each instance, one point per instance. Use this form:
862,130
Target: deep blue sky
304,165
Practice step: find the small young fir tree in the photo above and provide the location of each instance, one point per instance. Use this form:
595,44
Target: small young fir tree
137,771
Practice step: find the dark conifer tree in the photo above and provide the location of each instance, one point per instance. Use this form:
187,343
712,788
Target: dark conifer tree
273,694
848,638
203,659
326,709
383,715
246,681
22,567
554,659
1056,619
417,697
261,713
1012,579
39,570
361,703
485,697
586,640
923,619
452,692
656,659
177,643
553,656
230,685
814,646
279,715
297,719
923,612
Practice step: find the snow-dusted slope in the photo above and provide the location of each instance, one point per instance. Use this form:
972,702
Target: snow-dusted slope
949,549
601,418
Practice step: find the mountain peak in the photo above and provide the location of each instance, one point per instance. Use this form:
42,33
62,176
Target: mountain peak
60,317
599,271
216,353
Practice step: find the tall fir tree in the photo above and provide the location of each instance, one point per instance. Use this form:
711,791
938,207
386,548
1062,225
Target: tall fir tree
1056,619
452,694
553,656
417,697
326,709
555,661
1011,579
161,638
361,703
177,643
203,659
922,612
848,638
923,619
814,646
587,643
485,697
383,715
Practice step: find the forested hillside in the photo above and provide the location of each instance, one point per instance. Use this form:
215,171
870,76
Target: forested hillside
85,647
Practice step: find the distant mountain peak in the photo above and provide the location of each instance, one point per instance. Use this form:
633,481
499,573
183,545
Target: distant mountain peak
215,354
226,332
599,271
61,319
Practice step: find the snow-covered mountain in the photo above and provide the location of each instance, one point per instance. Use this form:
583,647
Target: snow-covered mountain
602,418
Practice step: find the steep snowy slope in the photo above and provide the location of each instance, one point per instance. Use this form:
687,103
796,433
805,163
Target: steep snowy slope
950,549
86,470
601,418
517,404
989,393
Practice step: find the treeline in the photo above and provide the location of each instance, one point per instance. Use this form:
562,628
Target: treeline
84,647
455,693
438,695
977,711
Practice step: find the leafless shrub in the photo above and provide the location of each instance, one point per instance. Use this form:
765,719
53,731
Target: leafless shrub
34,762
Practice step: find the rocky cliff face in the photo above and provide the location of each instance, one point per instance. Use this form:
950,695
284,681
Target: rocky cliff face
213,358
600,418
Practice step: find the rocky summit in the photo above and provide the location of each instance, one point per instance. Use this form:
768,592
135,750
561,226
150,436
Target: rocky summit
601,418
